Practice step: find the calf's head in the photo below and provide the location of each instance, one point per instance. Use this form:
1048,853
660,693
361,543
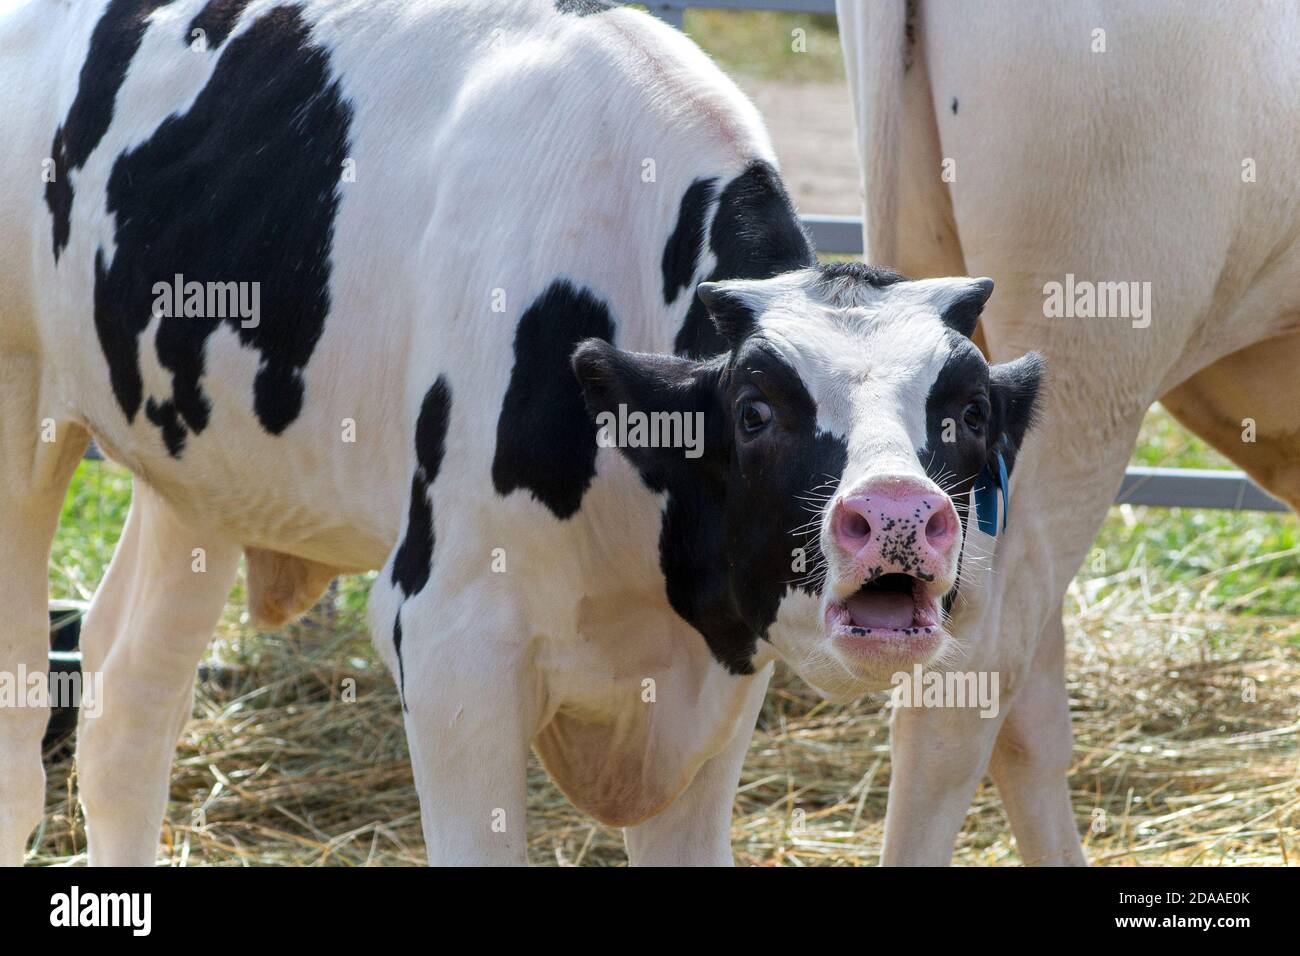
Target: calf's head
827,509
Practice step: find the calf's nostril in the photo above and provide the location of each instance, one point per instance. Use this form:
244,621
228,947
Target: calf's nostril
939,529
853,526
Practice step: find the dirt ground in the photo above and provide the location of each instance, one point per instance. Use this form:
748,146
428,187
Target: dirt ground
812,127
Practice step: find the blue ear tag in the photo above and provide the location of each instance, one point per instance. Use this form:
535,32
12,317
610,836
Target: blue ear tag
986,498
1006,493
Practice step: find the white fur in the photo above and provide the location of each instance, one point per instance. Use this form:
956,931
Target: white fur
1124,165
459,191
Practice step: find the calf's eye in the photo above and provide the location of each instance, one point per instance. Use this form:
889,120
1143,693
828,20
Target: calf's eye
754,415
974,417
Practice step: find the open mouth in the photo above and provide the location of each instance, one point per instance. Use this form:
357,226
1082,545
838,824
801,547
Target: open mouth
888,605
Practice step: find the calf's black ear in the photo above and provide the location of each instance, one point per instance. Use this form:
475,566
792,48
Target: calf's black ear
732,317
964,311
1014,395
616,384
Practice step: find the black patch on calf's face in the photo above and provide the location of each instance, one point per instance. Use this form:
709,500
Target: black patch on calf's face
693,558
1016,386
726,546
772,475
755,235
216,20
113,45
682,252
545,441
1006,398
964,380
243,187
725,568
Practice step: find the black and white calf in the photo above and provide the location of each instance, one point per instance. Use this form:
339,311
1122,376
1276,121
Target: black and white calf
398,231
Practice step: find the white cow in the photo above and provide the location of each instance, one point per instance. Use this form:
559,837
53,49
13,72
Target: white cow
1060,147
321,274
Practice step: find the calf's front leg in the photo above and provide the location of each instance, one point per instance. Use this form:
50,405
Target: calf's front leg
695,830
1031,760
941,755
469,694
939,758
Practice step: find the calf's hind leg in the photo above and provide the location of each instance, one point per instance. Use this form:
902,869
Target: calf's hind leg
148,625
34,476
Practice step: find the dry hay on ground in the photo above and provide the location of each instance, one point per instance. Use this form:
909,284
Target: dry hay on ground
1173,764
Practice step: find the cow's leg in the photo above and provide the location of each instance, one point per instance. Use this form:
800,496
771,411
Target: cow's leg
1031,759
147,627
940,755
34,476
695,830
470,691
1244,405
938,758
1090,420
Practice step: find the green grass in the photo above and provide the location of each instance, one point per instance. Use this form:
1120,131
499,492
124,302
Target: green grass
93,514
762,45
1237,566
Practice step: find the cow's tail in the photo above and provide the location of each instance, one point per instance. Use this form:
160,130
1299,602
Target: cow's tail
874,35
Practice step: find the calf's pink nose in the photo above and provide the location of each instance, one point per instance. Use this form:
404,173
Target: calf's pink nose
896,526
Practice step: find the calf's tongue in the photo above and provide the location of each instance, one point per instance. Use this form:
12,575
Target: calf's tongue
881,609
